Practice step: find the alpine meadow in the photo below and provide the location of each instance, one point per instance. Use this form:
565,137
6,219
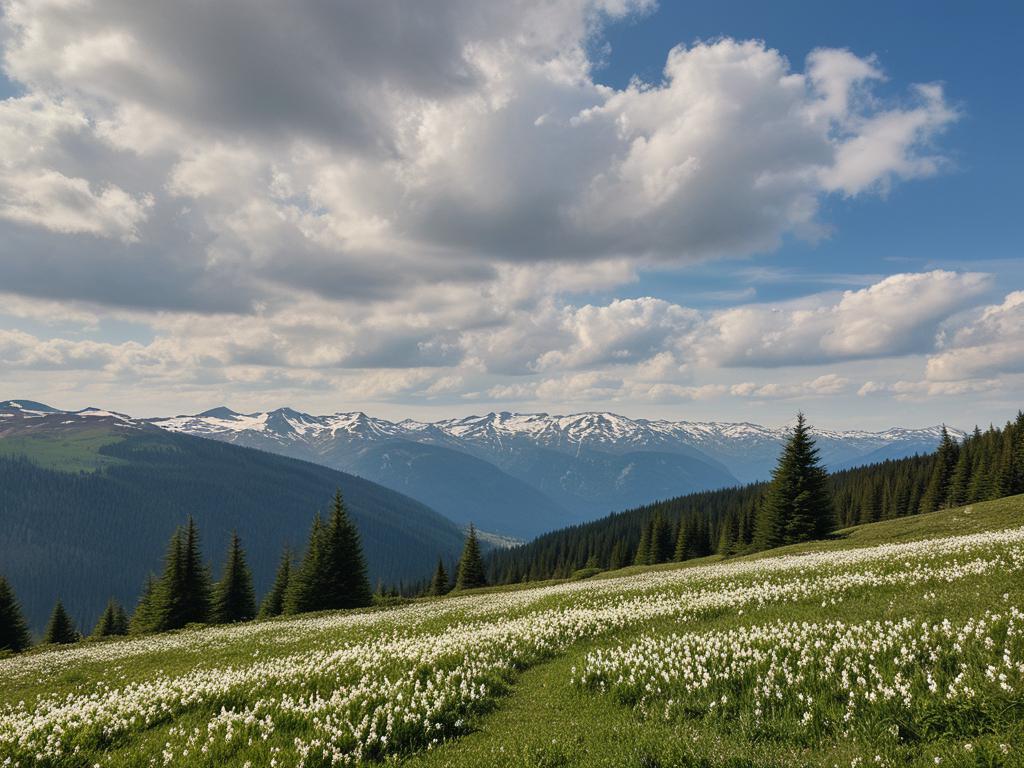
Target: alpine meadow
538,384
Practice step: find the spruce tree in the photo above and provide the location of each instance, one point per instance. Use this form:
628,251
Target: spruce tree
60,629
183,595
798,506
662,544
144,618
439,583
234,599
471,564
617,557
346,582
937,494
274,602
113,622
14,635
307,585
645,550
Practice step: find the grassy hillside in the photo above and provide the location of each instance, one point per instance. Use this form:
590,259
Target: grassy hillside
85,514
896,643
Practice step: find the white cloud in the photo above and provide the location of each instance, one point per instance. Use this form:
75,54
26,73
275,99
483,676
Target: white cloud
898,315
990,344
405,202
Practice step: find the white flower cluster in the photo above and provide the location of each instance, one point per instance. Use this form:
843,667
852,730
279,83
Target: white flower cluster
879,678
360,686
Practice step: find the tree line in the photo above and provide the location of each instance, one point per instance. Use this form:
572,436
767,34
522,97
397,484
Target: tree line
331,575
800,502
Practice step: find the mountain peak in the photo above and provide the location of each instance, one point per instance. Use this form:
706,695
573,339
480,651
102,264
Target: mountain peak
220,412
27,406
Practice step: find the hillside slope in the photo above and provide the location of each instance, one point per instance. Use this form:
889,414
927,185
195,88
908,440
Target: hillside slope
824,654
87,507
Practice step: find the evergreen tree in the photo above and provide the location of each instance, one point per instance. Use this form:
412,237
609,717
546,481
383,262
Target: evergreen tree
60,629
346,582
645,550
307,582
144,618
439,583
183,595
798,506
937,494
662,543
14,635
471,564
617,558
685,540
273,603
234,599
114,621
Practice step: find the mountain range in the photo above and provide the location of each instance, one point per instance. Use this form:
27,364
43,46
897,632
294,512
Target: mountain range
88,501
522,474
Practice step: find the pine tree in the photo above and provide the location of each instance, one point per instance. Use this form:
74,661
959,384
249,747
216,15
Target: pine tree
937,494
143,619
60,629
662,544
273,603
306,587
346,582
439,583
685,540
14,635
617,557
113,622
645,550
798,506
196,579
471,564
183,595
234,599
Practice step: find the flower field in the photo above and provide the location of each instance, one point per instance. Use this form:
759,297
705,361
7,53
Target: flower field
901,652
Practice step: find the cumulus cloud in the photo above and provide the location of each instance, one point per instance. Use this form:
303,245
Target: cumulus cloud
291,150
992,343
378,195
898,315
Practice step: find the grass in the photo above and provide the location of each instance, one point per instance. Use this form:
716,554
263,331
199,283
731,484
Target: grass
510,659
76,451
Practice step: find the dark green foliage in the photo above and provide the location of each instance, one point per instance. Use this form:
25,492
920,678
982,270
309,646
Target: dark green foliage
14,636
60,629
439,584
886,490
114,621
936,495
92,535
143,619
644,550
184,593
307,583
346,583
333,571
234,599
274,602
798,506
471,565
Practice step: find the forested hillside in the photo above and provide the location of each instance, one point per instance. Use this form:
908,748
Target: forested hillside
85,536
986,465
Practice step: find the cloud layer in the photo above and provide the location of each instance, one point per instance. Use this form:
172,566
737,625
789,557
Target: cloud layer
400,202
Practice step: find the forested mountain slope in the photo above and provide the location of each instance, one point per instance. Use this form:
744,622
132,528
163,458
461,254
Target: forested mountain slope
87,507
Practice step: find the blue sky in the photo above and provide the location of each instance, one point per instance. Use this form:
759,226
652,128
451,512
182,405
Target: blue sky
719,210
963,218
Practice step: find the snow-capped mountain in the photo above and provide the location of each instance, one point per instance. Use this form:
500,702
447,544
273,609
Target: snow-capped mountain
747,450
518,474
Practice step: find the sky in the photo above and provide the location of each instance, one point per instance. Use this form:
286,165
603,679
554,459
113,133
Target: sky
697,211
